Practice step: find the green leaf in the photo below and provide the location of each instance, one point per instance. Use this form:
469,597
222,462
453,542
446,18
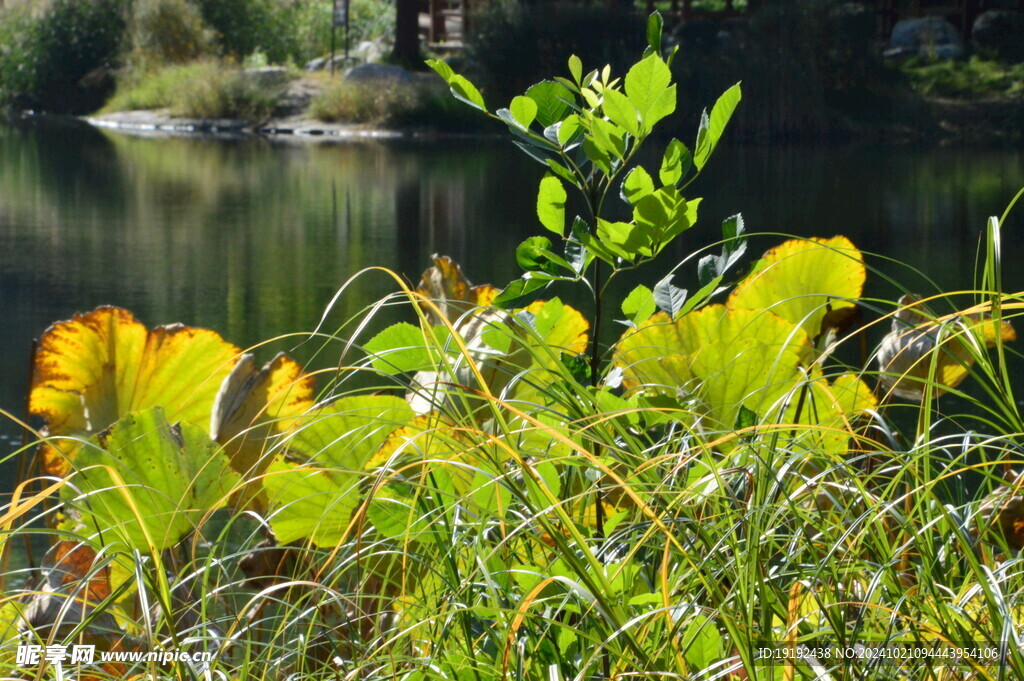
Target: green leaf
598,156
647,86
702,644
310,502
711,129
625,239
621,111
398,349
552,101
746,418
560,170
668,297
535,254
442,69
654,28
576,68
609,138
347,432
568,130
551,199
702,295
467,92
675,163
639,305
173,476
519,292
733,247
637,185
315,498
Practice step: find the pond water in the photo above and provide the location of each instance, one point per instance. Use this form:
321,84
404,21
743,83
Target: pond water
253,238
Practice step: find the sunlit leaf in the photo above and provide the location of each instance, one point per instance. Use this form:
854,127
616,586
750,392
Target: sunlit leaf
639,305
173,476
803,281
465,91
551,204
729,358
552,101
915,343
712,127
313,495
675,163
446,286
97,367
252,405
524,109
310,502
576,68
621,111
637,185
647,86
400,348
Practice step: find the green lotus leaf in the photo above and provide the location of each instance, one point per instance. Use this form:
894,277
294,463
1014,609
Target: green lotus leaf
94,369
826,408
802,281
149,480
315,497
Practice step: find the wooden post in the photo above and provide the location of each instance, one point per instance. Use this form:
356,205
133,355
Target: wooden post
437,26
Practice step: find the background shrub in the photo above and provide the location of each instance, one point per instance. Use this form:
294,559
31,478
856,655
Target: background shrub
422,103
168,31
208,88
295,31
60,57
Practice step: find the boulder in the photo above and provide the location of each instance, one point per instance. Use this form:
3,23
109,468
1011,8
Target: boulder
999,34
932,37
318,64
378,73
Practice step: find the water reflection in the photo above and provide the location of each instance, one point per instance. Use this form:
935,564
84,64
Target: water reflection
253,238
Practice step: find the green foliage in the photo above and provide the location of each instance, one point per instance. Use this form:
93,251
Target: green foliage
511,498
202,89
975,78
60,57
167,32
388,104
149,481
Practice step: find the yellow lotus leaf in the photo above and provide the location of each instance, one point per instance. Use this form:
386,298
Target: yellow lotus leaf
562,327
667,353
729,359
450,291
802,281
916,341
252,405
98,366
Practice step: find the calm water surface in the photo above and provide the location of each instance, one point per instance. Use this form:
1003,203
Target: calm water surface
253,238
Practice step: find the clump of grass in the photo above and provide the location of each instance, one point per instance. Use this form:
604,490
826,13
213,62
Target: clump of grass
374,103
390,104
201,89
976,78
